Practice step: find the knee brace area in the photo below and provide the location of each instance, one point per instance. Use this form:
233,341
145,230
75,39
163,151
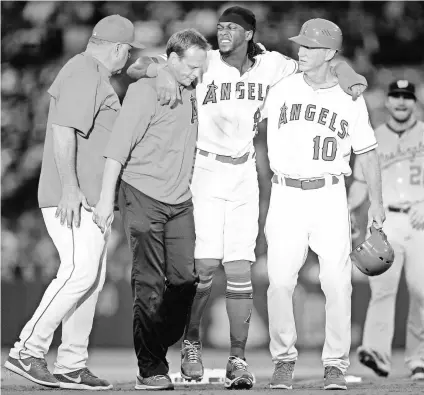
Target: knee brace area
239,282
205,269
238,271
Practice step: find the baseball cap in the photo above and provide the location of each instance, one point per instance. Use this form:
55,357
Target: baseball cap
402,86
116,29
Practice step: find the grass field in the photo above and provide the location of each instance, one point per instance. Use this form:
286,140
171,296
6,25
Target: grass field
119,367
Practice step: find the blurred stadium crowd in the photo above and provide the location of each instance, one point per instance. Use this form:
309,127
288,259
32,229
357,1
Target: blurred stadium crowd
382,40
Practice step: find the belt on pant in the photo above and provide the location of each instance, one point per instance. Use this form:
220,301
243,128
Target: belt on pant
227,159
394,209
313,183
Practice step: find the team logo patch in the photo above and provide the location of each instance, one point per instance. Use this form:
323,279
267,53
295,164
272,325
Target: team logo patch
283,115
402,84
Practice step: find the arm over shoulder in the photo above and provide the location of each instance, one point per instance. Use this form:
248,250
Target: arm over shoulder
279,65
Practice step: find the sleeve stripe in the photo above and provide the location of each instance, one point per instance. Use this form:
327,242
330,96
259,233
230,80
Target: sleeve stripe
363,150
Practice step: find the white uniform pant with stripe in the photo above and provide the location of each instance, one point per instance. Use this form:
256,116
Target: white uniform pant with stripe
298,219
71,297
379,324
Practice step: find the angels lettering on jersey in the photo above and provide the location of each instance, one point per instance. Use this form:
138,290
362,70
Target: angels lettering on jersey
311,113
308,112
239,90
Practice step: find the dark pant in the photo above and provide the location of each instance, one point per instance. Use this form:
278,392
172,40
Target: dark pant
163,279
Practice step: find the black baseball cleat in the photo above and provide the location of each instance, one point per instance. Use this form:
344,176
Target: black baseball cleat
374,361
237,375
417,373
34,369
191,361
82,379
159,382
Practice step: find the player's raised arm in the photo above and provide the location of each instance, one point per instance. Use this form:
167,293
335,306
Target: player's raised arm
155,66
146,66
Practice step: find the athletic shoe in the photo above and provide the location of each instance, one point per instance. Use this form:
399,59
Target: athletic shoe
373,360
418,373
334,379
158,382
283,376
34,369
237,375
82,379
191,361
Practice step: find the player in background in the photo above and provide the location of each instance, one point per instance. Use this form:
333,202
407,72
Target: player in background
401,152
312,126
225,186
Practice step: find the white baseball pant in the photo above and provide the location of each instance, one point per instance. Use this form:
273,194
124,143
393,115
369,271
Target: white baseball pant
226,209
71,297
318,218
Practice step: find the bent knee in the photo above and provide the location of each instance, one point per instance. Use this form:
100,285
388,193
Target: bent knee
206,267
238,270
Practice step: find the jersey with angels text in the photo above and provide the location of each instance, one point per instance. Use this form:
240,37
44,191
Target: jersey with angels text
402,164
227,101
311,133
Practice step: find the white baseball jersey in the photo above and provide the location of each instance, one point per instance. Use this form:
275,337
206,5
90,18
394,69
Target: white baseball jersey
402,164
227,101
312,132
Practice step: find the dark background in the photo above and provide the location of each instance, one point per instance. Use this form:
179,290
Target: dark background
382,41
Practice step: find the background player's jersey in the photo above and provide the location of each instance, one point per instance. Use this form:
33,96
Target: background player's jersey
227,100
402,164
311,132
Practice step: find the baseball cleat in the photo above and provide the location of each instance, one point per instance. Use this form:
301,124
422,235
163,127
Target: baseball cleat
82,379
152,383
282,377
34,369
334,379
191,361
418,373
237,376
374,361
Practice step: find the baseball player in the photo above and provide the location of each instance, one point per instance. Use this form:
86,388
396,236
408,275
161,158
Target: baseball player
224,185
83,109
401,153
312,127
154,147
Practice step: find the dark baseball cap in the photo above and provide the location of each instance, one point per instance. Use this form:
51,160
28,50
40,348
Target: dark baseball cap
402,86
116,29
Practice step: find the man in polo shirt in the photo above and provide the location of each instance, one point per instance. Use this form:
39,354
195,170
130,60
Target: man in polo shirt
155,145
83,109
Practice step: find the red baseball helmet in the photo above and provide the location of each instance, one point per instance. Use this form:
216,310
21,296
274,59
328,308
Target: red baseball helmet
319,33
375,255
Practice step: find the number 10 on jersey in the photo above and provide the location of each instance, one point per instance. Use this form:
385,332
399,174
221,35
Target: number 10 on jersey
328,149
